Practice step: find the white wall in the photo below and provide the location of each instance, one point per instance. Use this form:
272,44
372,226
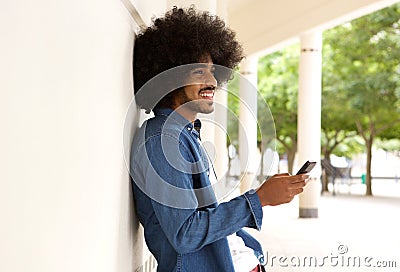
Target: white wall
65,85
149,9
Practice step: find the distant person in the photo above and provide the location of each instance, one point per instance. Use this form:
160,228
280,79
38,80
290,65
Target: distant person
185,228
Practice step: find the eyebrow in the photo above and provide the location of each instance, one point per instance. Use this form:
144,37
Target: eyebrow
203,65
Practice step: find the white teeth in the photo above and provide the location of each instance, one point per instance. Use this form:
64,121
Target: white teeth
206,94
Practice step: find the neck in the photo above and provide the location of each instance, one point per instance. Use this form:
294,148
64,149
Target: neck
186,113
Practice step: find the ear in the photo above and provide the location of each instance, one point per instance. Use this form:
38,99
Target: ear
175,98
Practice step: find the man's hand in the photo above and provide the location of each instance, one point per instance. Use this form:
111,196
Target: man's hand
280,189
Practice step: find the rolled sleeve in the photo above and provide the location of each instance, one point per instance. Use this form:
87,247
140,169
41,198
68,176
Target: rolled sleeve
255,207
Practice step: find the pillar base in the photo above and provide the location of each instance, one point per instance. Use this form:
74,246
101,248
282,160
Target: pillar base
308,212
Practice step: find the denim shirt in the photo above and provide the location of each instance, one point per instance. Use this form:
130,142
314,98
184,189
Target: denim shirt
184,226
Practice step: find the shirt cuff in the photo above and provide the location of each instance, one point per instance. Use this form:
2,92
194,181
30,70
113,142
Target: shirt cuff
255,207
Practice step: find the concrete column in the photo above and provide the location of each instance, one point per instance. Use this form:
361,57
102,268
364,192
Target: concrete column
248,123
214,124
221,161
309,119
208,120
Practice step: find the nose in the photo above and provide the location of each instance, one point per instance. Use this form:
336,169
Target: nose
210,79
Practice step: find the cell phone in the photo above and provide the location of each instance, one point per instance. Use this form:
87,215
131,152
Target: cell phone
307,167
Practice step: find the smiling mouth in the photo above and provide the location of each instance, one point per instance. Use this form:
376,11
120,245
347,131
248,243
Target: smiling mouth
207,93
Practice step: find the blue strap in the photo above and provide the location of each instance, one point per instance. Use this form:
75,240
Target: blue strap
252,243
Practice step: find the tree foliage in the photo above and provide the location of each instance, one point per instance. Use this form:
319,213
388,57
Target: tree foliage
361,76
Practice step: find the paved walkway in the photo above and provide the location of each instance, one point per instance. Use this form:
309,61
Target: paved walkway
352,233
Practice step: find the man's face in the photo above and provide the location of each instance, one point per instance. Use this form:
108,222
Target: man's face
198,95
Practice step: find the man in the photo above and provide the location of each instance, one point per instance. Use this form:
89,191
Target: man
177,68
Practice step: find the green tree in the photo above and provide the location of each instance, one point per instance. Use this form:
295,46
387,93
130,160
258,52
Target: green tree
336,126
366,62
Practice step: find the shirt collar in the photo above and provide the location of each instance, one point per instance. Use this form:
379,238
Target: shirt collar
178,118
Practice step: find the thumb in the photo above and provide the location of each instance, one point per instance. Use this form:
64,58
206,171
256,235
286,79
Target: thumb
282,175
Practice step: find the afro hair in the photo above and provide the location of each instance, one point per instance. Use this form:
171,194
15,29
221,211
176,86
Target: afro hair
182,36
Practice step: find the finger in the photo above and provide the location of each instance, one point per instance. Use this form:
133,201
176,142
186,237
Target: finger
297,191
299,178
303,176
282,175
296,185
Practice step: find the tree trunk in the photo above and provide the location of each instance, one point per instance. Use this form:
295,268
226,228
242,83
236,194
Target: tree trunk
325,177
368,136
325,182
368,178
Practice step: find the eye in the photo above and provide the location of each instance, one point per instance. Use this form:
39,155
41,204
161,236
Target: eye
198,72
